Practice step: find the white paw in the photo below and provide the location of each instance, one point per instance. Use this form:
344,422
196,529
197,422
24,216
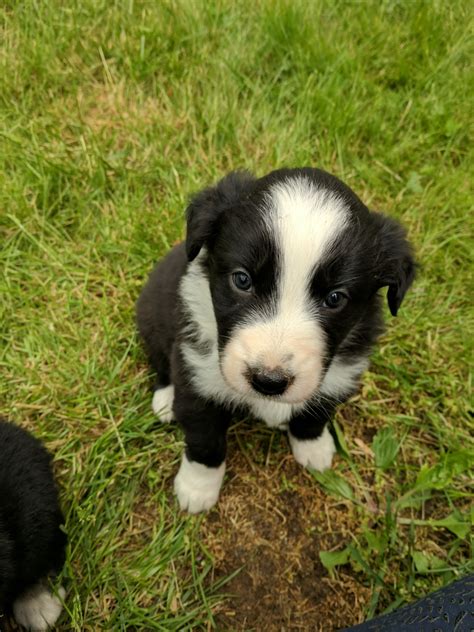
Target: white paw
162,403
38,609
197,486
314,453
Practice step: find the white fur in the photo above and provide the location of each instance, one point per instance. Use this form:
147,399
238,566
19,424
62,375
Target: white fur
314,453
342,378
206,375
305,221
197,486
194,288
162,403
38,609
274,413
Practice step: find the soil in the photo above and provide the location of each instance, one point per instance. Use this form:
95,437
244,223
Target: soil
270,524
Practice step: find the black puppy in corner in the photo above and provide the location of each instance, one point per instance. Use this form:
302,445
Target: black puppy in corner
271,307
32,545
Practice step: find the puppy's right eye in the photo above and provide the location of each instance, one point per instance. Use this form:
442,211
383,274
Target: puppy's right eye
241,280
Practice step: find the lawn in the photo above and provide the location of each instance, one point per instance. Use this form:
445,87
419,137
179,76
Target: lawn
111,115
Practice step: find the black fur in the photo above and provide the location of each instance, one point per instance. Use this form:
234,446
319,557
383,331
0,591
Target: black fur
32,544
207,206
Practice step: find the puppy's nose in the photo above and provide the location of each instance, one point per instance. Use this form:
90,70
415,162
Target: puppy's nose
269,382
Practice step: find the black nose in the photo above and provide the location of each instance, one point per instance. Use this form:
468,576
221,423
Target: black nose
274,382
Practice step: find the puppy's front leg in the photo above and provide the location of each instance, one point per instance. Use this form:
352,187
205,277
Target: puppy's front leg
202,469
311,442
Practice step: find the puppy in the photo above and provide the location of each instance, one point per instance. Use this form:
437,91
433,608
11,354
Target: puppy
32,544
269,308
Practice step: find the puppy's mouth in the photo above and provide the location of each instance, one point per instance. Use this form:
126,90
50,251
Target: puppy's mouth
283,398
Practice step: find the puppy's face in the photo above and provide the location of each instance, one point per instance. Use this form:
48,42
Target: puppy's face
294,263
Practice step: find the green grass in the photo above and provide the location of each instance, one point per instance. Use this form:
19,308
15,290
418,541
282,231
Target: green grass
111,114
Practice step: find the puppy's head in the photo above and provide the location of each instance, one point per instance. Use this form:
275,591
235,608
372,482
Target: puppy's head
294,262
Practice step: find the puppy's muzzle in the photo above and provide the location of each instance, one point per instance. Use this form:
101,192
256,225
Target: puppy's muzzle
269,381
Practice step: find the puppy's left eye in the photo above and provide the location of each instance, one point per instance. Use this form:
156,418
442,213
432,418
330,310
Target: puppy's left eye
242,281
335,300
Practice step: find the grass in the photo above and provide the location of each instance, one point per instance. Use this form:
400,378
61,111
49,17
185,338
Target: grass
111,114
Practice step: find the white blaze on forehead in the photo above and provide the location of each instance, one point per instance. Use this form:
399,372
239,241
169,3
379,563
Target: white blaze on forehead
305,221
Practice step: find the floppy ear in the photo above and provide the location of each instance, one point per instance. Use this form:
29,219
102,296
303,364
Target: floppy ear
205,208
395,260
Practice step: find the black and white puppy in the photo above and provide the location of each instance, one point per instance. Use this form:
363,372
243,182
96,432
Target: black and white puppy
269,308
32,545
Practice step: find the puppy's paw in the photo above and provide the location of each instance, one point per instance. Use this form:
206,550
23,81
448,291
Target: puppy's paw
315,454
197,486
162,403
38,609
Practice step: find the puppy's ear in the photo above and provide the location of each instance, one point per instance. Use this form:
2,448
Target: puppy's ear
205,208
395,262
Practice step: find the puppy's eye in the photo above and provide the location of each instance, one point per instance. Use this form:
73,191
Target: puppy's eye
335,300
241,280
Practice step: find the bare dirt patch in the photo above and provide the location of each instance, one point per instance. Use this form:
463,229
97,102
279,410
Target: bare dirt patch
271,522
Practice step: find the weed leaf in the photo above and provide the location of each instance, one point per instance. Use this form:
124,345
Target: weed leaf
426,562
331,559
334,484
385,446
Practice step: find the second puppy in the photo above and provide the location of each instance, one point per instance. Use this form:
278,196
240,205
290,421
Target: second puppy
32,544
271,307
